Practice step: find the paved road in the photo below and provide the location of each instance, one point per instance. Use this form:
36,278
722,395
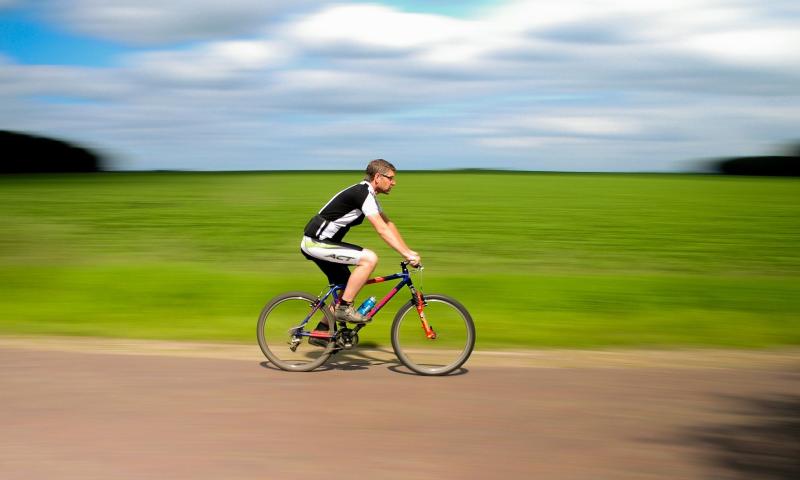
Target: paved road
76,415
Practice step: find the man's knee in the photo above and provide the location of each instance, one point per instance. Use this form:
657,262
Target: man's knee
368,257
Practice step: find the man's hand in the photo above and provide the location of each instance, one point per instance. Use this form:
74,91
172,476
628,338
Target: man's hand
414,259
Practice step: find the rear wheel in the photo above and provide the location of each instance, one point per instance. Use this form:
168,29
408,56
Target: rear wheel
455,336
280,328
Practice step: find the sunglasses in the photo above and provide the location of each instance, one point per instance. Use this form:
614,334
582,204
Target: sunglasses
390,177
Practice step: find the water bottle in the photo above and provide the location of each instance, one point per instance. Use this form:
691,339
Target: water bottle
366,306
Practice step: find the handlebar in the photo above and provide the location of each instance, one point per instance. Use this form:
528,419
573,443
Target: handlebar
406,263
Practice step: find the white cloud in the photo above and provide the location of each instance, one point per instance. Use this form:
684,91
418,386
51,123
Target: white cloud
574,42
371,26
531,84
375,31
586,125
212,62
519,142
92,84
779,48
148,22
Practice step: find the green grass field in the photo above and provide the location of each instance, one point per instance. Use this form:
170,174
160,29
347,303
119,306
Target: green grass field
557,260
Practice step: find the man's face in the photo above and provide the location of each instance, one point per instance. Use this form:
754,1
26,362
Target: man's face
385,181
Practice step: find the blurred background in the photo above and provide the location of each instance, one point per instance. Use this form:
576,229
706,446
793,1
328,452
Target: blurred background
578,174
317,84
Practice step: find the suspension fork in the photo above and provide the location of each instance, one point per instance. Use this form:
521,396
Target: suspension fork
419,302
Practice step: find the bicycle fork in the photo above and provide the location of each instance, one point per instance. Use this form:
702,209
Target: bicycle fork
419,303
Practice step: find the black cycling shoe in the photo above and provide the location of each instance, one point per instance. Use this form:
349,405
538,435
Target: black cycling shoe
318,342
320,335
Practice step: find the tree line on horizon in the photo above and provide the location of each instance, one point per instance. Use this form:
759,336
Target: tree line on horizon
787,165
27,153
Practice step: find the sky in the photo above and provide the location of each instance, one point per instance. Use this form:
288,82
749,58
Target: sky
567,85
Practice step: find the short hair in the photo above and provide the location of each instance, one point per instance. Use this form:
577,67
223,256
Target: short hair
377,166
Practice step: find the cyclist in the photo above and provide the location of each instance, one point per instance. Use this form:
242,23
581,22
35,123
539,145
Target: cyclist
322,238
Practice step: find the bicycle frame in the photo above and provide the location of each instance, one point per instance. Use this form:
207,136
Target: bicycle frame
405,281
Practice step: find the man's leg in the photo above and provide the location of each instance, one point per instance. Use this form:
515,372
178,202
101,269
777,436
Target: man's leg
333,258
345,311
360,275
337,274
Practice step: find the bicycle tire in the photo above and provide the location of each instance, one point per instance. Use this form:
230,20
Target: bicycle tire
434,357
273,332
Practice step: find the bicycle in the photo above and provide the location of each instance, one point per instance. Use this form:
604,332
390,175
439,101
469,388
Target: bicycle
287,341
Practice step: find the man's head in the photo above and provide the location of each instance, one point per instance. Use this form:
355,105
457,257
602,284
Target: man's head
380,174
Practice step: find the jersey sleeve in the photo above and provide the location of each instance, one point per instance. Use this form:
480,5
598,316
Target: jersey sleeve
371,206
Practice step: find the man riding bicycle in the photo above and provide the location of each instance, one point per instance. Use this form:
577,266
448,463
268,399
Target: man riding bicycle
322,238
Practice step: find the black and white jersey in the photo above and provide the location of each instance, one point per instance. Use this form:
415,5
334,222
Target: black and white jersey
346,209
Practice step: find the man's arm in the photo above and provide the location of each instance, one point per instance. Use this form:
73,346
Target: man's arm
394,230
389,233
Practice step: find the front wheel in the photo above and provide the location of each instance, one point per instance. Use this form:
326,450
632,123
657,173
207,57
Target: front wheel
283,332
452,345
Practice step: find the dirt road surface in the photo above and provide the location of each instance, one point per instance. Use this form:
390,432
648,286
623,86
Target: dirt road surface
89,409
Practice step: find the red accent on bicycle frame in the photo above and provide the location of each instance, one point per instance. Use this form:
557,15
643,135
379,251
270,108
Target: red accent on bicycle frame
383,301
320,334
375,280
429,333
